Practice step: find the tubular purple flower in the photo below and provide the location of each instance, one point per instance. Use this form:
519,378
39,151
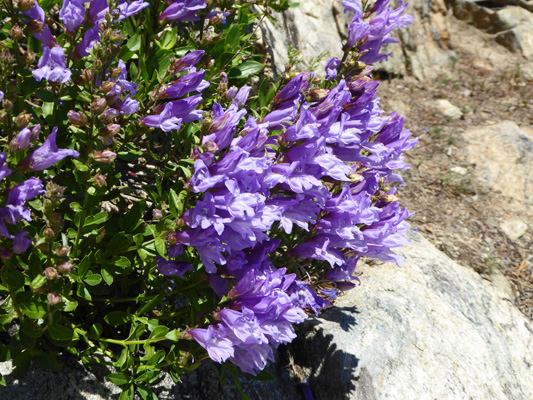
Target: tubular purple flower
172,268
15,210
189,60
91,37
46,155
126,9
164,121
214,340
21,141
21,242
36,13
52,66
4,170
331,68
182,10
72,14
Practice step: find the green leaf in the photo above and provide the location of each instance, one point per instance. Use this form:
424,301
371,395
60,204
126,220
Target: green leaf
160,246
108,278
49,361
116,318
96,330
13,277
118,378
97,219
47,109
30,328
146,393
80,166
127,393
33,306
60,332
234,36
246,69
134,217
83,292
263,376
38,281
83,267
159,331
176,202
93,279
134,44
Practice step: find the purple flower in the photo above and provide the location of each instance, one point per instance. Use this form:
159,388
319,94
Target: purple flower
128,106
21,243
193,81
46,155
72,14
164,121
214,340
189,60
91,37
4,170
331,68
172,268
15,210
97,11
182,10
36,13
52,66
1,95
126,9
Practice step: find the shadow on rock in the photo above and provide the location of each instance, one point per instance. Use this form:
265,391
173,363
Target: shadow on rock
330,372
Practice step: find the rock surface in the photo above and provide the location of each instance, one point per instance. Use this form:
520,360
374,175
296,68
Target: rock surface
503,154
447,109
431,329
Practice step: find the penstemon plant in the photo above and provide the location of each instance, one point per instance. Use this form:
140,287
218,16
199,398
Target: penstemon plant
155,211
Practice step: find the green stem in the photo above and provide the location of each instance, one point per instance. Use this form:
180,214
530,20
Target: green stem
82,221
130,342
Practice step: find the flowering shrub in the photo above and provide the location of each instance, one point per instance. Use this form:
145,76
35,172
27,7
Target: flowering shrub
155,210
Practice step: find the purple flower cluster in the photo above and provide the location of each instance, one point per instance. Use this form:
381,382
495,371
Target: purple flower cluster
14,209
315,170
170,115
373,35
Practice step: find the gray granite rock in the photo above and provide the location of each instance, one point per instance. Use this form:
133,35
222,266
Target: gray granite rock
431,329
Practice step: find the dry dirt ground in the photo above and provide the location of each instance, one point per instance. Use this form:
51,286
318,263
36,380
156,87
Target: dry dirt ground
456,212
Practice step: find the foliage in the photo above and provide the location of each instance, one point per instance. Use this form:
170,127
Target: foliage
144,223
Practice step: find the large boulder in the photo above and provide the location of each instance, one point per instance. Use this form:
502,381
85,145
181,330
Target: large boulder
430,329
318,28
503,158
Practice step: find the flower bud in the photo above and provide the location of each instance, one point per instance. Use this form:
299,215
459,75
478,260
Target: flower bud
172,238
61,251
98,105
101,234
28,57
26,5
107,86
53,298
22,120
210,146
217,18
105,156
115,72
317,94
210,63
110,130
116,36
35,132
35,26
109,115
48,233
77,118
209,37
388,198
157,214
15,32
231,93
87,77
51,273
100,180
65,267
355,177
8,105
